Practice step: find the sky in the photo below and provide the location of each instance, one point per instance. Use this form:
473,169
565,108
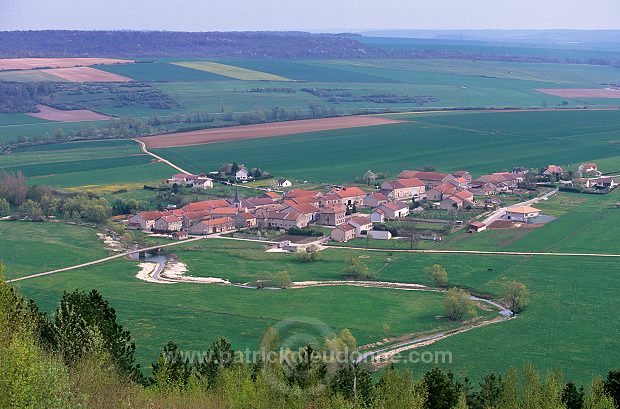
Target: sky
309,15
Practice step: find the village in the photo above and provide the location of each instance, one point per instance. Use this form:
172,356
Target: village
352,212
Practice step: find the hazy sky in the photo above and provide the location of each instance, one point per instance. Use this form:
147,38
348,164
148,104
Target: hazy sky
211,15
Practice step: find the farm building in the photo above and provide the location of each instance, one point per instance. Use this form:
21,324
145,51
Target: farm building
284,221
179,235
219,225
350,195
430,179
440,192
343,233
554,171
403,189
145,220
476,227
521,213
307,209
189,180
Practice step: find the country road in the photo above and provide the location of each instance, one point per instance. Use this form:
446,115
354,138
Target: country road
502,210
102,260
166,161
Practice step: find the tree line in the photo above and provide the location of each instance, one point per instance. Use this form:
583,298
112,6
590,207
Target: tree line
81,356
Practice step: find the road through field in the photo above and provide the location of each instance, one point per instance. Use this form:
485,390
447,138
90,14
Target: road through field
166,161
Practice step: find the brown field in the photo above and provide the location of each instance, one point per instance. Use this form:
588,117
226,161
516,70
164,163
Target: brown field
30,63
86,74
53,114
262,131
582,92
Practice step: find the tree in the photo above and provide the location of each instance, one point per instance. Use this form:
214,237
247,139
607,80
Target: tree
612,386
369,177
218,357
398,390
32,210
268,342
438,274
572,397
458,304
282,279
356,269
171,370
516,295
408,232
308,255
5,207
226,168
83,318
597,398
443,392
490,392
234,168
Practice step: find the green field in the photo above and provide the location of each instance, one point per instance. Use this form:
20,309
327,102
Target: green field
86,165
160,72
29,248
478,142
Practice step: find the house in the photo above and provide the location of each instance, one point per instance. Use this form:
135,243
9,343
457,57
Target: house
179,235
343,233
587,168
467,197
554,172
191,218
362,225
212,226
144,220
285,221
380,234
439,192
350,196
168,223
404,189
430,179
330,199
375,200
605,183
521,213
245,221
202,183
459,182
242,174
394,210
306,209
284,183
377,216
333,215
189,180
462,174
476,227
270,195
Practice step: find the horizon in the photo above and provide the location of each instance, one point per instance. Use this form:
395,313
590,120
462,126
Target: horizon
343,16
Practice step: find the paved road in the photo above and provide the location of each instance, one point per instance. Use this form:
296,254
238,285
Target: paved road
102,260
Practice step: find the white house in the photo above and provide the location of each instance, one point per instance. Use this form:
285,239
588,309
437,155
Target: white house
284,183
587,168
242,174
377,216
394,210
202,183
521,213
362,225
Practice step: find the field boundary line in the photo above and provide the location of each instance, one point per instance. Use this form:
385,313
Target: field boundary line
166,161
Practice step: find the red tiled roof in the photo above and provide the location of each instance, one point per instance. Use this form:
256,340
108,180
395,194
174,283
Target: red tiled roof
378,196
207,204
170,219
360,220
346,227
465,195
271,195
217,222
334,209
352,191
283,216
301,193
395,205
445,188
225,210
152,215
412,182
